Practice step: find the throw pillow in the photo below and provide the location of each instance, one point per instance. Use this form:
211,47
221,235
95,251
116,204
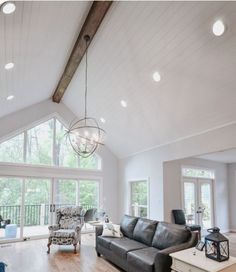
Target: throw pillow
111,230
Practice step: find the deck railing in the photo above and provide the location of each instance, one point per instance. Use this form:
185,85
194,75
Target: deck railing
34,215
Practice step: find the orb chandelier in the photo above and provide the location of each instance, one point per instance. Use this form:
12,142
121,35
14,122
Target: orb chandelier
85,135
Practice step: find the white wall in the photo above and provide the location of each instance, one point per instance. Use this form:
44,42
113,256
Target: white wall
232,195
173,182
150,163
18,121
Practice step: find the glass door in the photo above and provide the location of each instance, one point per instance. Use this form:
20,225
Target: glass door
206,203
36,207
10,208
89,194
190,200
198,202
64,194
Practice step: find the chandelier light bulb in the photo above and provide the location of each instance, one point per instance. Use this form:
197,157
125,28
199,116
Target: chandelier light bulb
102,120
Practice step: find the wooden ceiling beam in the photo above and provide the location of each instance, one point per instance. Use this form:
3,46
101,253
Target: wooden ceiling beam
92,22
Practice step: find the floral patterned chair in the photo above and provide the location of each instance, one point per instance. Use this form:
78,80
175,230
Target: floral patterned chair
67,231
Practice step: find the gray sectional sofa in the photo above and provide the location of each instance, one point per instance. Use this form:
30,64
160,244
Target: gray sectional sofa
146,244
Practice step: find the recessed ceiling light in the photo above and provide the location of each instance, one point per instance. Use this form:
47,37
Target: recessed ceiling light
8,7
10,97
123,103
218,28
156,76
9,66
102,120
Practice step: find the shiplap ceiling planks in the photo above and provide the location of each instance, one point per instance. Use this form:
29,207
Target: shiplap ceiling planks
38,37
197,88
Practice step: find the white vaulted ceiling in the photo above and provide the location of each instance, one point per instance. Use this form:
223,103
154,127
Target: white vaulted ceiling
38,38
197,88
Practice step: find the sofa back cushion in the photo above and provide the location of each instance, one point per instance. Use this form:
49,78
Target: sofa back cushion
127,225
168,235
144,231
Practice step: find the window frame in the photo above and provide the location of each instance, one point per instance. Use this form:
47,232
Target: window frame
197,168
130,182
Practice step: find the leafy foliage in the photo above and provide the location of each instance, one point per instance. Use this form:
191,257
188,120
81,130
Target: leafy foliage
39,148
12,150
139,194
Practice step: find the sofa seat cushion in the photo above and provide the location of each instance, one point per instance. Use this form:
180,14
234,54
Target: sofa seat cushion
64,233
122,246
106,241
142,258
144,231
168,235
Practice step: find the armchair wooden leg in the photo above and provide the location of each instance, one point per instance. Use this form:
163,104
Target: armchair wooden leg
49,244
75,248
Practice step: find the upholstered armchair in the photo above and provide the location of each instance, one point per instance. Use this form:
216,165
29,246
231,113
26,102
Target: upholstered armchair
3,223
67,231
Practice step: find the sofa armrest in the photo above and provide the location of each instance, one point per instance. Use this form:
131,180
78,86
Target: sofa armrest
99,230
163,261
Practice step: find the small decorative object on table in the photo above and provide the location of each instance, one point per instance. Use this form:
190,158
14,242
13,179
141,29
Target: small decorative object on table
200,245
216,245
106,219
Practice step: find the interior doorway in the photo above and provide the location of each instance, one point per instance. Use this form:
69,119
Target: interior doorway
198,201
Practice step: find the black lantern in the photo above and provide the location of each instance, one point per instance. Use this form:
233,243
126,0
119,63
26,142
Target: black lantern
216,245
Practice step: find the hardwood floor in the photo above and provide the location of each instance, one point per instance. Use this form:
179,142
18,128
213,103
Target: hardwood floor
31,256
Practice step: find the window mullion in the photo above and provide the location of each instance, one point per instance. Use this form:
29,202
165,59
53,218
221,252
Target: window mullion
54,142
25,146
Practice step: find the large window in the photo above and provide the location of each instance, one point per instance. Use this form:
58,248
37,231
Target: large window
12,150
45,144
30,200
139,198
30,203
40,144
